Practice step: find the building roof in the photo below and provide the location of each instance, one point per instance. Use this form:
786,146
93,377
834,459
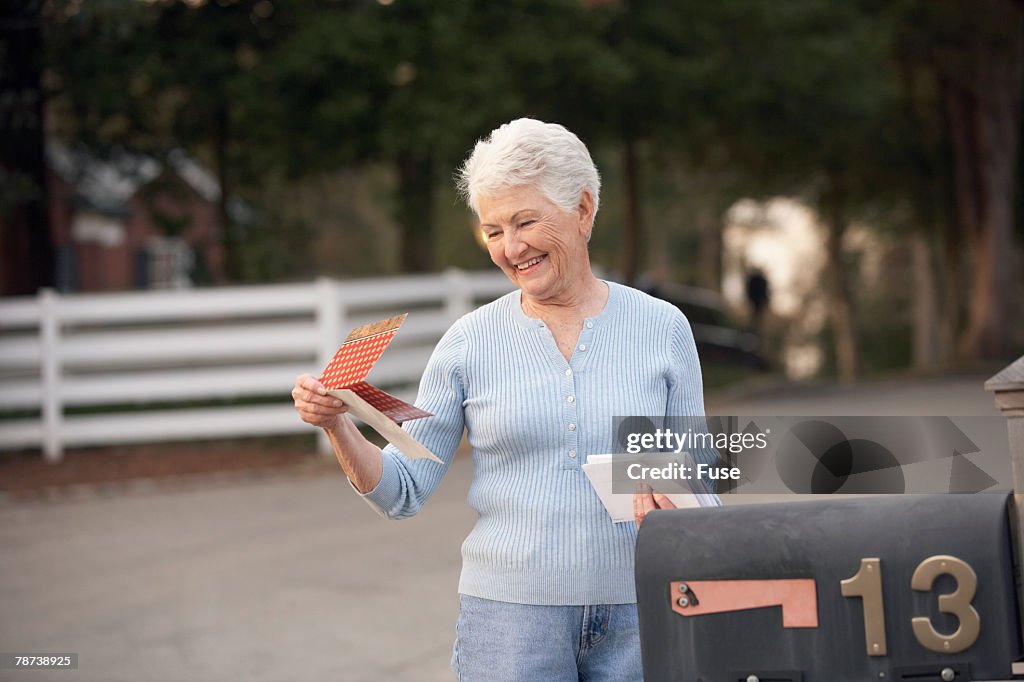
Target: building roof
107,184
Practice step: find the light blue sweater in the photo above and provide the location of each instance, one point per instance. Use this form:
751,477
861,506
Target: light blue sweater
543,536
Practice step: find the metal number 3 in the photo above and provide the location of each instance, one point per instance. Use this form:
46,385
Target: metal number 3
957,603
867,584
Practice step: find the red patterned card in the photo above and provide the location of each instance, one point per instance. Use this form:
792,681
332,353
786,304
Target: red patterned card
356,358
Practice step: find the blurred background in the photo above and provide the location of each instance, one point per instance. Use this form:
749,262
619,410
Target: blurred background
198,198
864,156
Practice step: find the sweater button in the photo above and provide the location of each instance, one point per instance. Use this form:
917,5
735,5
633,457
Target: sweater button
572,427
572,453
570,399
568,372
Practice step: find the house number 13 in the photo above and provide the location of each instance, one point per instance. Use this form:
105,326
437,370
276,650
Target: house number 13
866,583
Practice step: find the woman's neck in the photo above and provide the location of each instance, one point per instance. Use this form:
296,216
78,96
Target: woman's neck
587,299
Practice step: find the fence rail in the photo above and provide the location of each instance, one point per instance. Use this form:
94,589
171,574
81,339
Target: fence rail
96,369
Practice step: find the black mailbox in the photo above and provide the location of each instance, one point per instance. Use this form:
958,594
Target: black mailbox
886,589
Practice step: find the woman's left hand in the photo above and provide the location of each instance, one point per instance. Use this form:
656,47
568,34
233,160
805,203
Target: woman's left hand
646,500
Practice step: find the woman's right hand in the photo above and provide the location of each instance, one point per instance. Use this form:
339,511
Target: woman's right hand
646,500
314,405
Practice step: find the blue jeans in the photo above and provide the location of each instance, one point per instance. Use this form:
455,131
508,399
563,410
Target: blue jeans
502,642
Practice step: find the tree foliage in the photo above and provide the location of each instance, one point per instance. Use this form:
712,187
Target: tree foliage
853,106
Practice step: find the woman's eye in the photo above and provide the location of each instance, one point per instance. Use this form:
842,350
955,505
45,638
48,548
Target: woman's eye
492,235
527,223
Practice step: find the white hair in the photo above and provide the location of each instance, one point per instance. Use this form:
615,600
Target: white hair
530,152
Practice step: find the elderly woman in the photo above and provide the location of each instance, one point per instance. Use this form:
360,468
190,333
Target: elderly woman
535,379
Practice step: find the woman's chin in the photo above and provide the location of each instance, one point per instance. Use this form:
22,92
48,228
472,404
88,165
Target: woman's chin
538,288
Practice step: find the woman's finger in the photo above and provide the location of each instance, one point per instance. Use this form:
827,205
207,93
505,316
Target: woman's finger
314,391
310,383
663,502
313,408
648,503
309,390
643,503
318,416
322,422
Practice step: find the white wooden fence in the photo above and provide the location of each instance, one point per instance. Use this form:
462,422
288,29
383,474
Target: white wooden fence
101,369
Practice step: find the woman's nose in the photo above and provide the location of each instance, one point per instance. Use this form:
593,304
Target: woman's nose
514,246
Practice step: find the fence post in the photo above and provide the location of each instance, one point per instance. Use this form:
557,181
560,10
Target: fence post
330,322
1008,390
459,299
50,374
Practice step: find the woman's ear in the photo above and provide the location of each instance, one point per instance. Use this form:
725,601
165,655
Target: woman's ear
585,213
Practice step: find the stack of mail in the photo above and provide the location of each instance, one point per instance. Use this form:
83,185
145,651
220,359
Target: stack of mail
620,503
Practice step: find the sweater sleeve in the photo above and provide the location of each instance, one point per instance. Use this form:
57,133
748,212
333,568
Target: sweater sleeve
686,395
405,483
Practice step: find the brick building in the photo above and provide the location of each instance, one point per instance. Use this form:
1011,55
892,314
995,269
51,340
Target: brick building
133,221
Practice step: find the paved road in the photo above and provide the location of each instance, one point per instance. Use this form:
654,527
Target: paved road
287,578
271,580
934,396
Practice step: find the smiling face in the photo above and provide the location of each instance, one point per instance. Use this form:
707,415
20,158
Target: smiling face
540,247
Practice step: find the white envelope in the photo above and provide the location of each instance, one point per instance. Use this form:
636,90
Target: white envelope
598,469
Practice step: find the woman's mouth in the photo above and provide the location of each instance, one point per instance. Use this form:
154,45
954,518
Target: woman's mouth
530,265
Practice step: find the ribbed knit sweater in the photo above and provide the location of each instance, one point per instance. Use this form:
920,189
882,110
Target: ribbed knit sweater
532,418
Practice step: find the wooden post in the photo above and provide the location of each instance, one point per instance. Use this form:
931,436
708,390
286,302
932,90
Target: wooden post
459,294
1008,389
50,374
329,319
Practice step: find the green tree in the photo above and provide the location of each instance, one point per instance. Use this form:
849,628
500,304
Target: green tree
793,97
415,82
973,58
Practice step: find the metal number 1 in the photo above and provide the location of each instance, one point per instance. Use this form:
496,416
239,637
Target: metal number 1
867,584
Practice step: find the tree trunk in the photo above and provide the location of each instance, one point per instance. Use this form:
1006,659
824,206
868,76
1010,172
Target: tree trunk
943,214
985,118
26,244
936,293
416,210
925,305
633,234
841,303
952,293
709,223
